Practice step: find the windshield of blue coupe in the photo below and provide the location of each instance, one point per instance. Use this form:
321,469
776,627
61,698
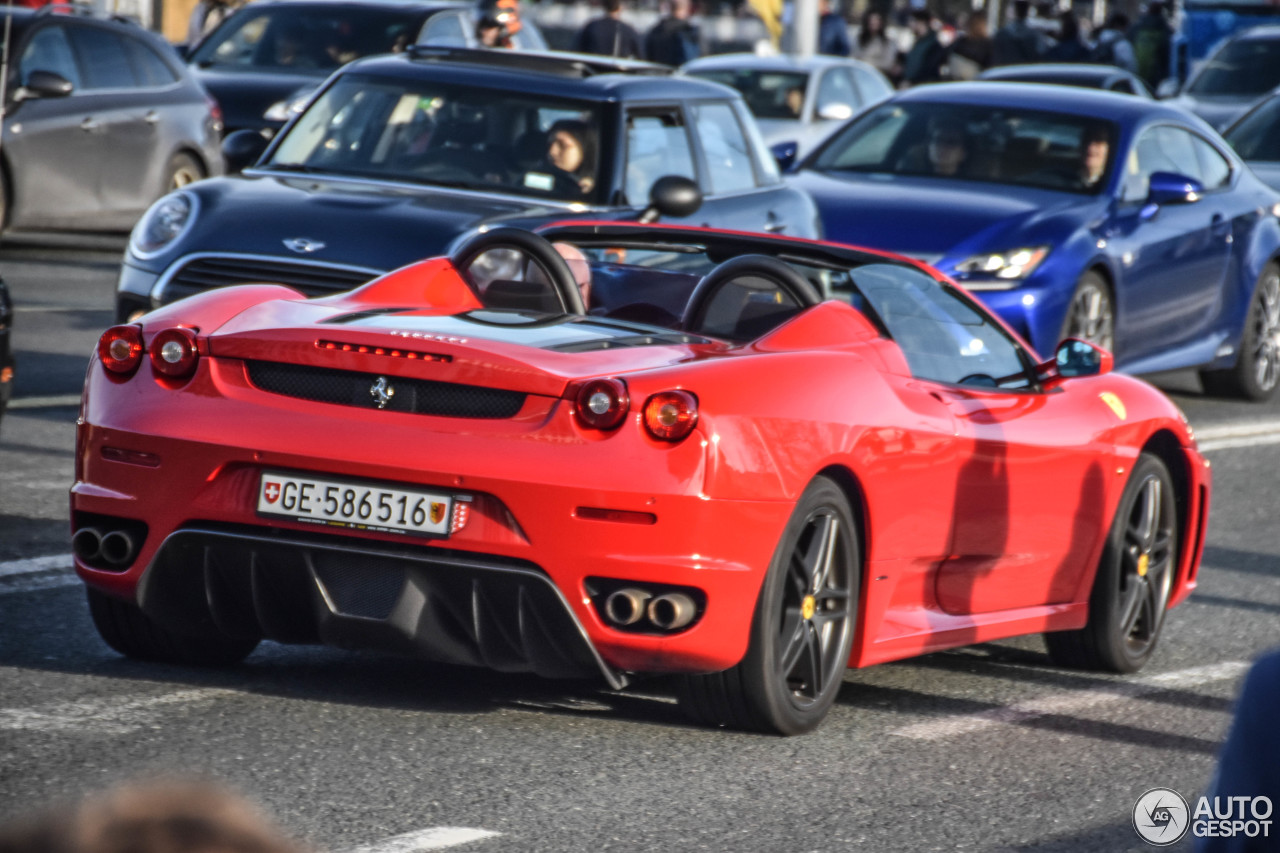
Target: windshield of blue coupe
433,133
975,143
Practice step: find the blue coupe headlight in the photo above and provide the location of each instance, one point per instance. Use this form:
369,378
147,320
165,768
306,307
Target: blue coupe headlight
1005,268
163,224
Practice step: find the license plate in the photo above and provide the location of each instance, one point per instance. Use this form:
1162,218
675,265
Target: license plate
353,504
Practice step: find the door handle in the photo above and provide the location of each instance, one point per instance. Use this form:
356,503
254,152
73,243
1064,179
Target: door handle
773,225
1220,225
89,125
151,117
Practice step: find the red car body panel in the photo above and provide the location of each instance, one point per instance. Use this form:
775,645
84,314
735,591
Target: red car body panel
983,512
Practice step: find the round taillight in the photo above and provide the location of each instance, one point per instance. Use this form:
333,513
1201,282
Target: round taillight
120,349
603,403
671,415
173,352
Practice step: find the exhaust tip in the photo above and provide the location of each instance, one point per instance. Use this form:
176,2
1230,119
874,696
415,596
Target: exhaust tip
672,611
118,548
86,544
626,606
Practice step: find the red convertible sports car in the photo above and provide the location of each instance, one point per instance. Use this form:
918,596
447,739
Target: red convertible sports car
750,461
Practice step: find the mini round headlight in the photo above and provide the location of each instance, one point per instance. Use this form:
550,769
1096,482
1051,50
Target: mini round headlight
163,224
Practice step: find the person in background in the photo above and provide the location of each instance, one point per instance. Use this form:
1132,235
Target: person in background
206,16
970,53
156,817
1152,37
1017,42
833,32
497,22
1070,46
874,47
1112,46
674,40
923,63
609,35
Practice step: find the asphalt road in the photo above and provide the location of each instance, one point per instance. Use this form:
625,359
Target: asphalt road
984,748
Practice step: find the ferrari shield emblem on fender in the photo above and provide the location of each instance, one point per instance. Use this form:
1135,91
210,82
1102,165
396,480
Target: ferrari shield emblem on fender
1115,403
382,392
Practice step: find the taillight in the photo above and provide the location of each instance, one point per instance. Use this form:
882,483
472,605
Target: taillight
120,349
173,352
603,403
671,415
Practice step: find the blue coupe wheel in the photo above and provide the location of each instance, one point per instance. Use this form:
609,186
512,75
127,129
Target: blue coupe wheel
1090,316
1257,370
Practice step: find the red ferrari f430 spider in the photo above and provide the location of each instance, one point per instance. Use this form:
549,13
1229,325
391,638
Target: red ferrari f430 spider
618,450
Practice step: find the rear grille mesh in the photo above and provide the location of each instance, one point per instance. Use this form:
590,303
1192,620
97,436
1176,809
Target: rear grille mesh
412,396
203,274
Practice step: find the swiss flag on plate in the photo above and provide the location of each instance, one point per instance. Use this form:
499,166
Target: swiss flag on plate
271,491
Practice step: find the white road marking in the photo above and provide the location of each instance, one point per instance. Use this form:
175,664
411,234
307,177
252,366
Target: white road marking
1073,702
57,309
37,573
1230,436
113,715
45,402
436,838
35,564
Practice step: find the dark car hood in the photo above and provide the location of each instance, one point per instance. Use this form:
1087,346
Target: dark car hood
930,219
1220,111
245,95
359,224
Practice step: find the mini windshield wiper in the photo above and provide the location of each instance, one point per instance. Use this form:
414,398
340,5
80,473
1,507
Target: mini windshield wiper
296,167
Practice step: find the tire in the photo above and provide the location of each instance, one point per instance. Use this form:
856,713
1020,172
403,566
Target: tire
1130,594
133,634
1257,370
1091,313
795,662
183,169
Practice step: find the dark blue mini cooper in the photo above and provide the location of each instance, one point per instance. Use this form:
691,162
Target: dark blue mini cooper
399,156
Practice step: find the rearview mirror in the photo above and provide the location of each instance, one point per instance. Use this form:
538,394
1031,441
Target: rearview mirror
1076,357
673,196
1172,188
243,148
785,154
44,84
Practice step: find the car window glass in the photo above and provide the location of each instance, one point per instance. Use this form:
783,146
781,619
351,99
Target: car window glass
1157,150
769,94
835,90
1215,170
148,67
102,58
442,134
308,39
445,30
1257,136
944,337
657,145
728,156
1242,67
766,165
49,50
871,87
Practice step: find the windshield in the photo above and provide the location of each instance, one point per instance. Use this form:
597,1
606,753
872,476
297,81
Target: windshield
1257,136
976,143
1249,67
769,94
447,135
306,38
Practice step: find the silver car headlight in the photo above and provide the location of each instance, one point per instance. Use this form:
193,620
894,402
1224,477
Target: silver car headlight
1007,267
162,224
288,108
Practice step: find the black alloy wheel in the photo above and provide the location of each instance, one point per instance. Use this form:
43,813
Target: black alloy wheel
1135,578
802,630
1257,371
1091,313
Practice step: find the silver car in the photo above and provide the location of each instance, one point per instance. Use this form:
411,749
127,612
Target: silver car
101,119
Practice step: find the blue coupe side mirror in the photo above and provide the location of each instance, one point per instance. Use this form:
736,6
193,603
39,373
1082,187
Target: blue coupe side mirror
785,153
1172,188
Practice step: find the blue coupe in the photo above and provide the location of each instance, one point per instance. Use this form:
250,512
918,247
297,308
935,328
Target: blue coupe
1072,213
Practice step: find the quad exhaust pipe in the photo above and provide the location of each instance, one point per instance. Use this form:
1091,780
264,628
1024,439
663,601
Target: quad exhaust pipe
112,548
629,606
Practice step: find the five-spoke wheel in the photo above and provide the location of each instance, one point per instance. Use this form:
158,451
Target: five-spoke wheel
1257,371
1090,316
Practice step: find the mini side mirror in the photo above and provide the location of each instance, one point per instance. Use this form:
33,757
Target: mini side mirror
243,148
784,153
673,196
1172,188
1076,357
45,84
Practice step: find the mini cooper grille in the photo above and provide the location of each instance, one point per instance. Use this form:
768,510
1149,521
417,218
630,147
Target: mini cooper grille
414,396
204,274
